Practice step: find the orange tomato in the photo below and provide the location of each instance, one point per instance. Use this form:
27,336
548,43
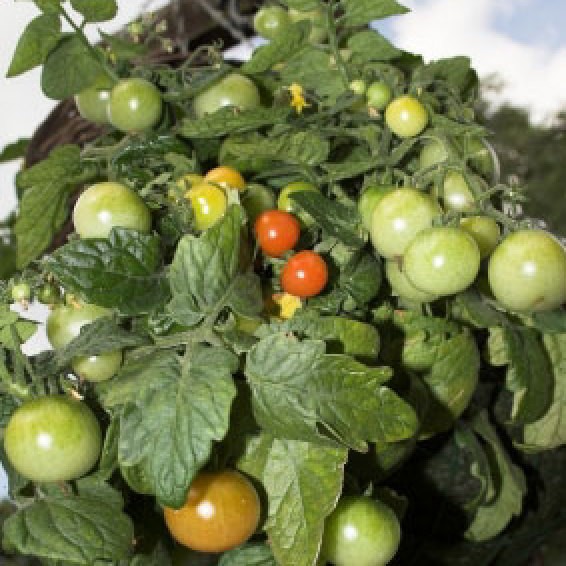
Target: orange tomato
226,177
304,275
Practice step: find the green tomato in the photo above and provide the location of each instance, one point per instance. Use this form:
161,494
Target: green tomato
52,439
64,323
92,103
270,21
432,153
442,260
135,105
402,287
209,204
98,368
368,201
406,117
316,18
21,292
256,199
379,95
527,272
480,157
104,206
398,217
358,86
360,532
233,90
456,194
484,230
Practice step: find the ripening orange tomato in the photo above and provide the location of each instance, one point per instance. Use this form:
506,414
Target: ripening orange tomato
226,177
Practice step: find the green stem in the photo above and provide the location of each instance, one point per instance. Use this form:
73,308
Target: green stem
94,52
333,40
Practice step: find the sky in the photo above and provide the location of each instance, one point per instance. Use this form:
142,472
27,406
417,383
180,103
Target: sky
522,41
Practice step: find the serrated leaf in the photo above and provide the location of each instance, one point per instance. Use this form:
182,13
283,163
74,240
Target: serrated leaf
361,277
278,49
369,46
550,431
80,530
40,36
95,10
171,416
115,272
303,482
470,307
456,71
491,518
13,151
336,219
252,554
362,12
205,277
451,127
550,322
229,120
69,69
302,393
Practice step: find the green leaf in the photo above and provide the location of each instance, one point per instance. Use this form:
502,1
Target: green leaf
36,42
294,148
550,431
352,167
69,69
123,48
13,151
116,272
170,416
278,49
450,127
336,219
492,518
205,274
252,554
362,12
361,277
369,46
529,376
550,322
228,121
303,482
301,393
7,406
74,529
470,307
302,5
456,71
96,10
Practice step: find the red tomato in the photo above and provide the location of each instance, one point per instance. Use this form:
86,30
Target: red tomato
277,232
304,275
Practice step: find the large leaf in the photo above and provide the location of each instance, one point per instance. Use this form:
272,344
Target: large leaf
120,271
170,416
69,68
205,274
96,10
362,12
38,39
252,554
80,529
302,393
369,46
492,517
303,482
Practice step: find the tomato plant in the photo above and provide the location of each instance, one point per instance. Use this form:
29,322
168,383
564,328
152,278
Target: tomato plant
442,260
233,90
135,105
52,439
304,275
107,205
222,511
270,21
361,531
406,117
209,204
527,272
277,232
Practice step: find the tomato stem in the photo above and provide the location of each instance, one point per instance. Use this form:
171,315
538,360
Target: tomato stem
333,40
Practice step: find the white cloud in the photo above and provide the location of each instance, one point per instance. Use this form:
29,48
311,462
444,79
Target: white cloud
533,75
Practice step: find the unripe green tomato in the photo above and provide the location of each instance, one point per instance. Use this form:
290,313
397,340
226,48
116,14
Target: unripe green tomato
270,21
107,205
398,217
484,230
379,95
135,105
317,18
256,199
209,204
358,86
52,439
21,292
368,201
92,103
406,117
456,194
402,287
480,157
360,532
527,272
432,153
442,260
232,90
99,367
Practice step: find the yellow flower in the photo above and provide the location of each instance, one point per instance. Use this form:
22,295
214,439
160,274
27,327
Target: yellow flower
288,304
298,101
